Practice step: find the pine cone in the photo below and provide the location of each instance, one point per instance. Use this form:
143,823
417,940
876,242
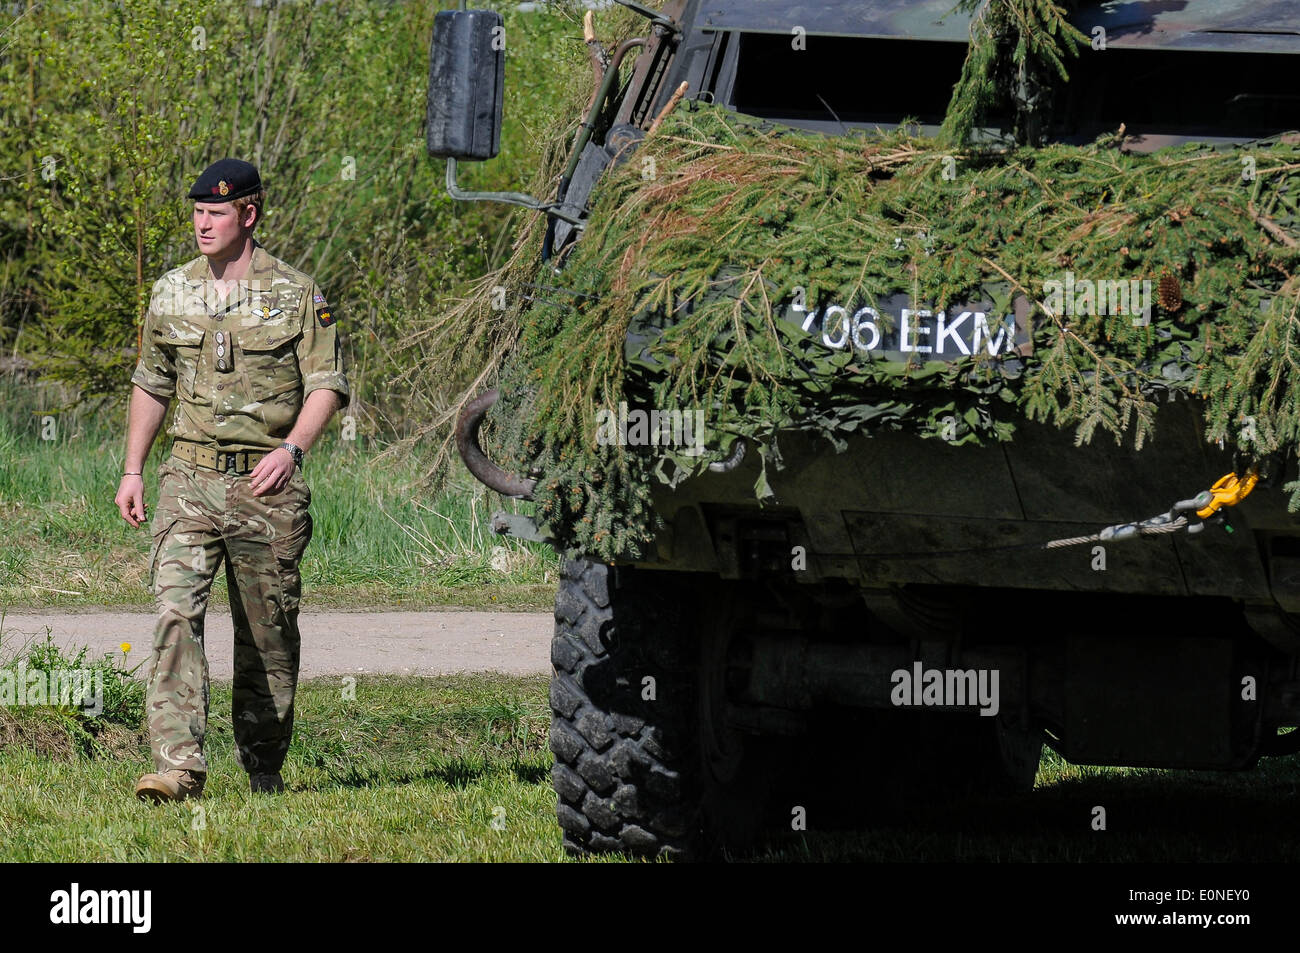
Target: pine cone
1169,294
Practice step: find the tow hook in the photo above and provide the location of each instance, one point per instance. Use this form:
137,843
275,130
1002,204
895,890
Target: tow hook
476,461
521,488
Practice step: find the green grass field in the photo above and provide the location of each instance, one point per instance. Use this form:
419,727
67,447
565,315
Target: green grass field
376,543
457,768
443,769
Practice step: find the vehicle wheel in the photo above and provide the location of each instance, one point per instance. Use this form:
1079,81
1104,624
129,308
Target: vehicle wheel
624,702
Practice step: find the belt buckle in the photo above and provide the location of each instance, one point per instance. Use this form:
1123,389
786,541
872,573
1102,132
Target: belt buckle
230,463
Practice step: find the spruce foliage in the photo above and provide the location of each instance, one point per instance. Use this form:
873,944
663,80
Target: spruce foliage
684,291
698,269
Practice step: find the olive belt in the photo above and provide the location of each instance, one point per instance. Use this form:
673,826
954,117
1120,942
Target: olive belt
237,461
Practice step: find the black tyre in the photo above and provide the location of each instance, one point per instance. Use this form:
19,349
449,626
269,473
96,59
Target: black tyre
624,697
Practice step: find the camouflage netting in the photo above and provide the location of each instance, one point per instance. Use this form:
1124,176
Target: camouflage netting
700,262
698,246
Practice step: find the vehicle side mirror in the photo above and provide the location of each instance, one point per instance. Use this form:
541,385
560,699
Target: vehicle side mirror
466,74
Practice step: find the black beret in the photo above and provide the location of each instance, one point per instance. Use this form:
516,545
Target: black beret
225,181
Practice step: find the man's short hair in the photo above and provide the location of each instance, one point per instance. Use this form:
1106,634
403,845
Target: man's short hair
257,199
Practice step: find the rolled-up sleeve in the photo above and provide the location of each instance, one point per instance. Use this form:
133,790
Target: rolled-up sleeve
156,369
320,350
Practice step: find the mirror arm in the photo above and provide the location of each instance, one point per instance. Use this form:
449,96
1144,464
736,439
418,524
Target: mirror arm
510,198
584,133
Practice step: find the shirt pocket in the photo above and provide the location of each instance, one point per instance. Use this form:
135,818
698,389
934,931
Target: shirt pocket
184,340
270,363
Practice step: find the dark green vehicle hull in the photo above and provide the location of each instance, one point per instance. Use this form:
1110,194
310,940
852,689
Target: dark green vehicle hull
899,556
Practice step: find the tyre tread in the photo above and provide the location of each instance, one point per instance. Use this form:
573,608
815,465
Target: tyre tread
622,775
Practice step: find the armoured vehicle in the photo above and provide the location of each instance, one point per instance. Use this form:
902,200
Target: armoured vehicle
890,620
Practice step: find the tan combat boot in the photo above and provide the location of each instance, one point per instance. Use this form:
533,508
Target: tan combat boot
173,785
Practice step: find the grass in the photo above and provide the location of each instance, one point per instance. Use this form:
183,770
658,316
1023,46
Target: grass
453,768
376,543
457,768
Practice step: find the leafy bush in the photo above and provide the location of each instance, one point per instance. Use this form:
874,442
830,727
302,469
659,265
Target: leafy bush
113,110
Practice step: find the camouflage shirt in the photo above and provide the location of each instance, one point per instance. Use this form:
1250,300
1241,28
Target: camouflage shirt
240,366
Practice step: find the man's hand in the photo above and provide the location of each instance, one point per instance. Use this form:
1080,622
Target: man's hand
144,417
130,500
273,472
271,475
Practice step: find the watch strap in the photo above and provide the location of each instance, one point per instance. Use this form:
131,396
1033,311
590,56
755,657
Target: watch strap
295,451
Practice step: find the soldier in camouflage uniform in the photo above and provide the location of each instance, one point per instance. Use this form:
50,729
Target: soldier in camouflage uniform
250,349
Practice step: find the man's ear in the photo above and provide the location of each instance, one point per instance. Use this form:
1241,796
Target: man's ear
250,216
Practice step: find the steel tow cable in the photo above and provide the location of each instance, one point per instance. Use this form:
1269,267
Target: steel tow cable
1228,490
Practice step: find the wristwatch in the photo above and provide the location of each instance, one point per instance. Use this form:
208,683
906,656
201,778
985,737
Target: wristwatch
296,451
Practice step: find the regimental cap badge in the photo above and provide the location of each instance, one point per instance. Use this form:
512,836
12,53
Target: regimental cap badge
223,188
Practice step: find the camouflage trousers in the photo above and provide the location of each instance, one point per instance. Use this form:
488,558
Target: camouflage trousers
203,517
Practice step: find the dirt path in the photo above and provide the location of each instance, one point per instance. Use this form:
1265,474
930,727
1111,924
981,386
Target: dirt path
333,643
